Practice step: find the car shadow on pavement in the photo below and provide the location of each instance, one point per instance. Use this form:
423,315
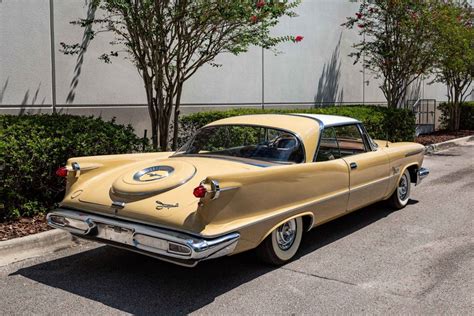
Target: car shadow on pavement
138,284
325,234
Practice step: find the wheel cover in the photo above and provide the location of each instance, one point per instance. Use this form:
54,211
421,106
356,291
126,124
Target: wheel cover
403,188
286,234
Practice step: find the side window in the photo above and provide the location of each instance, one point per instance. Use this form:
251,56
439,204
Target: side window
328,148
350,140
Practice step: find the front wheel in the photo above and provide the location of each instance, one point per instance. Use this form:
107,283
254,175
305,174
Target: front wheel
283,243
400,197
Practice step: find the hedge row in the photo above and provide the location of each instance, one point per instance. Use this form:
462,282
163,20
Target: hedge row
380,122
467,115
32,147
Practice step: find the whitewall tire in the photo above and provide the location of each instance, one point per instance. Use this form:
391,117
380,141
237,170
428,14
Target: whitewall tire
400,197
283,243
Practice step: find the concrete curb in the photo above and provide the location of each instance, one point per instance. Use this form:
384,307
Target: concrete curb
22,248
447,144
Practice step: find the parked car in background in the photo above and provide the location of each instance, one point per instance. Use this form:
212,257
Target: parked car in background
256,181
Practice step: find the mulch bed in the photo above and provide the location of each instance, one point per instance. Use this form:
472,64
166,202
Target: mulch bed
442,136
23,227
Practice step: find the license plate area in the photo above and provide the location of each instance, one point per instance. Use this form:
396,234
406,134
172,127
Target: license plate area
114,233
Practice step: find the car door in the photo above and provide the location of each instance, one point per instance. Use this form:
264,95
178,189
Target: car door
333,178
369,171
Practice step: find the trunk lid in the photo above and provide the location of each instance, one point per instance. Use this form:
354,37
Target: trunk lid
158,192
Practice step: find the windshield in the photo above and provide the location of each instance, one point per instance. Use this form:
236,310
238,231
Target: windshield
242,141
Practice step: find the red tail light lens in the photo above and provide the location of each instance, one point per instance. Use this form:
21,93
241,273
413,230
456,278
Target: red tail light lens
200,191
61,172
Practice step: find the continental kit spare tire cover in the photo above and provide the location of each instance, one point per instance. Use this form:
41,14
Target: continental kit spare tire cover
154,178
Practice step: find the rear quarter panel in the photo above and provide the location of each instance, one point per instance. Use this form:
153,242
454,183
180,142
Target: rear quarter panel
260,200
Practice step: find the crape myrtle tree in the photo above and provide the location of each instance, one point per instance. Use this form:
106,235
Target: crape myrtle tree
169,40
395,43
454,44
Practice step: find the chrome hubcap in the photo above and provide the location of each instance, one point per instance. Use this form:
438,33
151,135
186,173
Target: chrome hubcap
403,188
285,234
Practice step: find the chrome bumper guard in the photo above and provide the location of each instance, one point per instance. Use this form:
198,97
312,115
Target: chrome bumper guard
421,174
167,245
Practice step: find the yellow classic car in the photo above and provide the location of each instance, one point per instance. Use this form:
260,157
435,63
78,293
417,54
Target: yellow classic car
255,181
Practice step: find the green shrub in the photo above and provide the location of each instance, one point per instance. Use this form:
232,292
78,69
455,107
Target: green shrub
32,147
380,122
467,115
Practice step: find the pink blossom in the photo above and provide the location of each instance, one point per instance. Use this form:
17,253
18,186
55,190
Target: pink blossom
298,38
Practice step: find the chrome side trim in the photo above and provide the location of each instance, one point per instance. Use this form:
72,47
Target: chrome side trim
365,185
216,189
228,189
200,248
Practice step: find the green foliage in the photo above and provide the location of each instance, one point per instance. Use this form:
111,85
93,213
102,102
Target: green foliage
467,115
380,122
454,42
32,147
454,46
168,41
395,43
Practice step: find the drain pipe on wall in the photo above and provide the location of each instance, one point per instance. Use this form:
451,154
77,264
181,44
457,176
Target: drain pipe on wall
53,56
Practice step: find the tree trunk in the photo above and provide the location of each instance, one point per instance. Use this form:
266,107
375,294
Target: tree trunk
164,122
176,116
151,102
457,111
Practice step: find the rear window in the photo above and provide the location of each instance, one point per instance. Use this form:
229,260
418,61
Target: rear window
243,141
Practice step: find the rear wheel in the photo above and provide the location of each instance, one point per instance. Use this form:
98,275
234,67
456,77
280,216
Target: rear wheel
400,197
283,243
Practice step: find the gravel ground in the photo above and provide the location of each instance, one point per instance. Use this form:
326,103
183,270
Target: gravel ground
441,136
416,260
23,227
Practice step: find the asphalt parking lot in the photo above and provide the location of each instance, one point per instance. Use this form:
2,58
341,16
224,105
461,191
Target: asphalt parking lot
416,260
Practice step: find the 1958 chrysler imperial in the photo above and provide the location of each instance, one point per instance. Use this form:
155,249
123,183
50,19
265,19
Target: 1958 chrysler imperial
256,181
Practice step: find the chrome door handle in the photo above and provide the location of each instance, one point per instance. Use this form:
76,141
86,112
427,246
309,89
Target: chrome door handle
353,165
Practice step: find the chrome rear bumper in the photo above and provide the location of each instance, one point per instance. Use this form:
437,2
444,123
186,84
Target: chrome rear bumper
167,245
421,174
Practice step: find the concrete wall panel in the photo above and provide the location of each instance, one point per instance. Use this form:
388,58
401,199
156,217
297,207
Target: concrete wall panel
25,60
317,69
83,78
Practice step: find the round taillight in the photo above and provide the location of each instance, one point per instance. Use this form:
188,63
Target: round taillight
61,172
200,191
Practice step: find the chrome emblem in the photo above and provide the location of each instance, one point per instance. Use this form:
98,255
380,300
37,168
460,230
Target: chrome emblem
160,205
153,173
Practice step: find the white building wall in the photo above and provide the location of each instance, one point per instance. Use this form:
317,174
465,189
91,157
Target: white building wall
317,68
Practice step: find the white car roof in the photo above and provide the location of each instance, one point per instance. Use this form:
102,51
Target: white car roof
330,120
